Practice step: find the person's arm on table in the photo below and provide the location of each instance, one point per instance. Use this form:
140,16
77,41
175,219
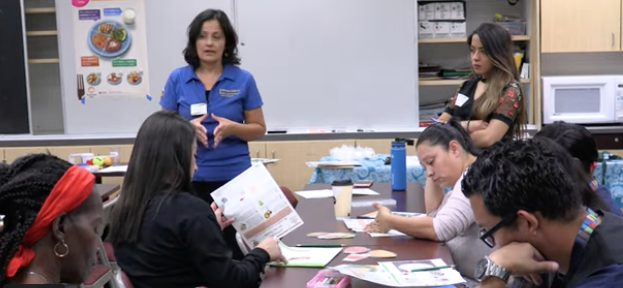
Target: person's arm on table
433,195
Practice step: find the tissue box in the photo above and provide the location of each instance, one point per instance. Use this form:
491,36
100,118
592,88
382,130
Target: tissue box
426,11
442,11
426,29
458,29
442,29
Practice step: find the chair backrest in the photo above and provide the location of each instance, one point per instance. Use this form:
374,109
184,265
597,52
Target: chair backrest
125,280
291,197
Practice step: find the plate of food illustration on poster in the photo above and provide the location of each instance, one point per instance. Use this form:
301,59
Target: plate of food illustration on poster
111,50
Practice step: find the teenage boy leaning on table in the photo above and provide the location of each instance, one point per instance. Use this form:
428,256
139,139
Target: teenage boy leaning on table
526,195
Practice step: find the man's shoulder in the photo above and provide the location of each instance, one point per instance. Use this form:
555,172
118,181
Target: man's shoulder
609,276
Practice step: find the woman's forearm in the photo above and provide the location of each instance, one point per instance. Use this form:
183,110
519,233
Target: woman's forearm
248,131
418,227
433,195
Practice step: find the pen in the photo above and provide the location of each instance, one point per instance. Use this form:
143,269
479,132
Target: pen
320,245
430,269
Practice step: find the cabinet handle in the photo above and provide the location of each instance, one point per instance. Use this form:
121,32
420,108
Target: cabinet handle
257,154
273,154
612,39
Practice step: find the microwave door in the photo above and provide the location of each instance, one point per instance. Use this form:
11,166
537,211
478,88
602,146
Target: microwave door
582,104
619,100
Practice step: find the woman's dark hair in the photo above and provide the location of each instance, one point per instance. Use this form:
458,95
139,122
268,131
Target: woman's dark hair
160,163
576,139
230,55
498,45
442,133
24,186
579,143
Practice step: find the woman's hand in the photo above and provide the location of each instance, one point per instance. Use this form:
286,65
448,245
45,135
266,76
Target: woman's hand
222,220
223,129
476,125
381,223
200,131
271,246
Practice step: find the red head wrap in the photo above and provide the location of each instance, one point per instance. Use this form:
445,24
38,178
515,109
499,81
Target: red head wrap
68,193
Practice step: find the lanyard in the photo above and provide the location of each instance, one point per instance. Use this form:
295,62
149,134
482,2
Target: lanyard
593,185
581,239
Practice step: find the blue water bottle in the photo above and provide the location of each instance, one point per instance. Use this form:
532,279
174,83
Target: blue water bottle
399,163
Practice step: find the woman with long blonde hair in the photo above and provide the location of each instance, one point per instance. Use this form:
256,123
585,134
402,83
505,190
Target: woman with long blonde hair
491,105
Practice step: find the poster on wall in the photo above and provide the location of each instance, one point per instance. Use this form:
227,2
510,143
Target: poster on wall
111,48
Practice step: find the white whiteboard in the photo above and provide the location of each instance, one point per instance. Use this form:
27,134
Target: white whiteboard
167,22
318,63
332,63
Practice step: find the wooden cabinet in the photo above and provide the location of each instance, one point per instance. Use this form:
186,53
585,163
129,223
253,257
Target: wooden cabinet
581,26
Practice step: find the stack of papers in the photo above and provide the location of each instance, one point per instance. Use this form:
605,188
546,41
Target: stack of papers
359,225
306,257
264,160
327,193
411,273
114,169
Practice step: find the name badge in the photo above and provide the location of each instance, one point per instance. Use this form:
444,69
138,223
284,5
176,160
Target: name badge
198,109
460,100
228,92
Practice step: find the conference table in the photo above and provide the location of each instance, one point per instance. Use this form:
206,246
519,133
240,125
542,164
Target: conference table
318,216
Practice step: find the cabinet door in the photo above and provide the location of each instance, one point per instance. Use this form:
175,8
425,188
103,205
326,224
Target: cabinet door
580,26
257,149
291,170
383,146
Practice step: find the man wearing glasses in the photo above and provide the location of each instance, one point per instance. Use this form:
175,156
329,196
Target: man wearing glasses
526,196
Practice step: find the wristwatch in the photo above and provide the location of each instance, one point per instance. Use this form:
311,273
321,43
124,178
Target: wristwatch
487,268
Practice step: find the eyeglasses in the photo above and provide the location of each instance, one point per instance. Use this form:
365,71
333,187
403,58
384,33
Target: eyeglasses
487,235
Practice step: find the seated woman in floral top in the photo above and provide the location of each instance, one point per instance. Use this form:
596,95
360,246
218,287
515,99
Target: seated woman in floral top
490,105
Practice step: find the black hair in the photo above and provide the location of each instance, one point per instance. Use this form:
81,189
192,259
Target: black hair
230,55
24,186
576,139
535,175
442,133
579,143
160,163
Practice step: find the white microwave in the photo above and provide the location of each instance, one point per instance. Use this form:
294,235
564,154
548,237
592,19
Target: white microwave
583,99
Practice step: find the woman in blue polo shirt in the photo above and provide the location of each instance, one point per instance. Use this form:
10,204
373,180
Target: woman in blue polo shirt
222,102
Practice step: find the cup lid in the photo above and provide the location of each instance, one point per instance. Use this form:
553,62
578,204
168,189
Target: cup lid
345,182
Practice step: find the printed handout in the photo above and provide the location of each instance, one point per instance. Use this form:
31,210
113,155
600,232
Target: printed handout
258,206
327,193
412,273
306,257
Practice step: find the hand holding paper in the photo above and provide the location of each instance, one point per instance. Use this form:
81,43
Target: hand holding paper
271,246
222,220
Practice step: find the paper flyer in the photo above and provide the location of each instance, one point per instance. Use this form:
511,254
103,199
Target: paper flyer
306,257
258,206
111,48
413,273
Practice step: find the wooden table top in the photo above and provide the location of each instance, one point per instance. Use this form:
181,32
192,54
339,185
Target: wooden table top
318,217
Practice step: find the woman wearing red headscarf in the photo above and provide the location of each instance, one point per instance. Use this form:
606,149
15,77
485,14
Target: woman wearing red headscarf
52,220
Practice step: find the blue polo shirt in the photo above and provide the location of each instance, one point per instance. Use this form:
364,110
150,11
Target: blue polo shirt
233,93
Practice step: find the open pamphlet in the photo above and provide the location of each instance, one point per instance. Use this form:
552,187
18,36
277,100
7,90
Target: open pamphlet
359,225
258,206
410,273
315,257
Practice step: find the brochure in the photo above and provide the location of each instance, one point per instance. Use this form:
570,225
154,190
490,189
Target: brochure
315,257
413,273
258,206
